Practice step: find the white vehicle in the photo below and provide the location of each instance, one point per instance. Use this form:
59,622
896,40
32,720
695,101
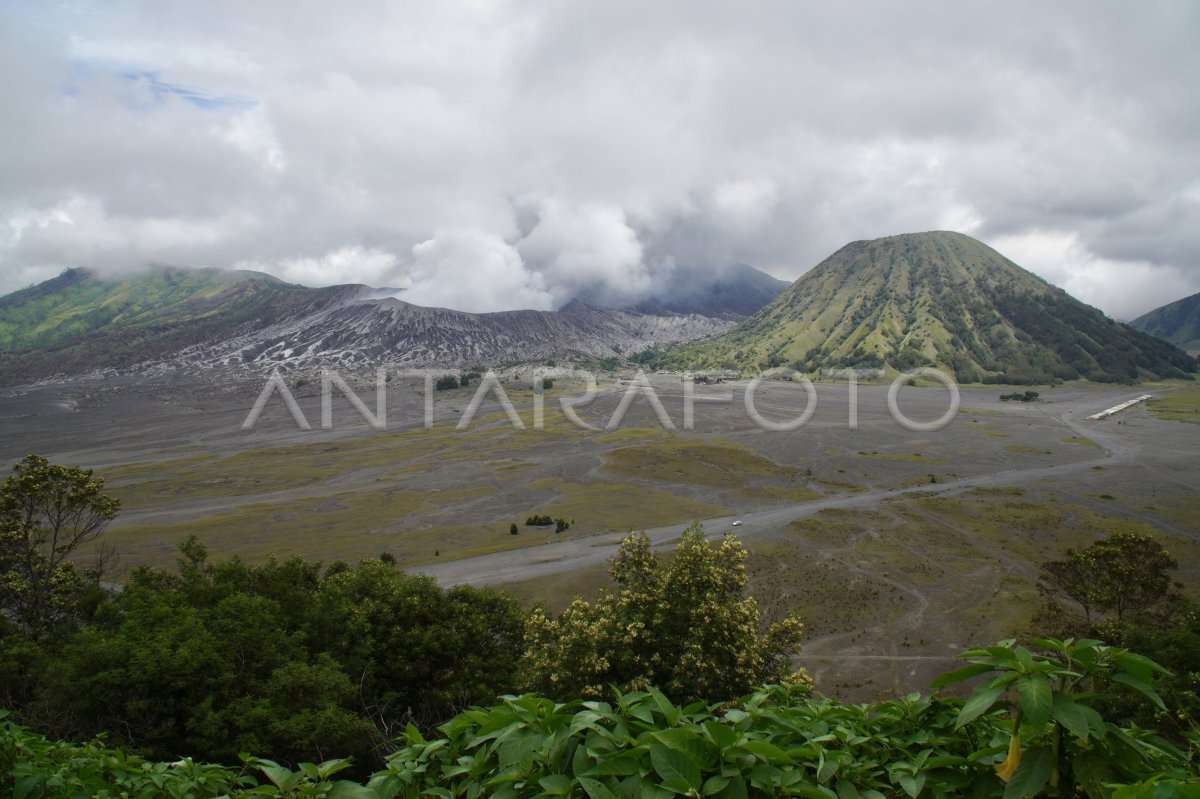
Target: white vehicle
738,523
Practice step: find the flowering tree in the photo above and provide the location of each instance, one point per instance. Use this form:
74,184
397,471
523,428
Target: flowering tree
684,626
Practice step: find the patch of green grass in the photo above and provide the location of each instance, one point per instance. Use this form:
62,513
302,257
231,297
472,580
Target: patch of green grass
347,525
1024,449
601,505
997,491
781,493
1180,405
142,469
908,457
626,433
980,412
694,464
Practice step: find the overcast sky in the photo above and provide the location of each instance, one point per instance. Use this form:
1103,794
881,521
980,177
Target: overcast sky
498,155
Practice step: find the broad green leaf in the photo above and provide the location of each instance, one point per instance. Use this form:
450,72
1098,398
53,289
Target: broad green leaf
620,765
827,768
1142,688
557,784
766,751
714,785
595,789
30,786
671,764
979,703
911,783
958,675
1071,715
345,789
846,790
1092,772
720,734
284,779
1143,668
1036,699
664,705
1032,775
690,743
736,789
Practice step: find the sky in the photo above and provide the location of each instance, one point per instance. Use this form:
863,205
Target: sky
496,155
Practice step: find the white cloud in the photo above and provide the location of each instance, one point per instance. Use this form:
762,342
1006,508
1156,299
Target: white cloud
601,143
745,204
343,265
590,248
1125,289
471,270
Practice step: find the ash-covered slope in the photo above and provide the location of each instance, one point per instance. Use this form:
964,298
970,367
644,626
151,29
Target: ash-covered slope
174,317
937,298
366,332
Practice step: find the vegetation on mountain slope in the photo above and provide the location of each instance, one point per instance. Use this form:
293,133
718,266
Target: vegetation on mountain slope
79,321
928,299
1177,322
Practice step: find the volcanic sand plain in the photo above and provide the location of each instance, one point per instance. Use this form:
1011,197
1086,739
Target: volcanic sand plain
897,547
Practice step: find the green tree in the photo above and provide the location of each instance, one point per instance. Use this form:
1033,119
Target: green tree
1124,574
684,626
47,512
417,652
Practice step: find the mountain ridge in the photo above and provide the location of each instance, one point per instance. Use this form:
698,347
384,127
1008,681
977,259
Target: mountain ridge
935,298
1177,322
78,322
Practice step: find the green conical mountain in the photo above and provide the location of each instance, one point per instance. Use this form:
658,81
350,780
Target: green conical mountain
942,299
1177,322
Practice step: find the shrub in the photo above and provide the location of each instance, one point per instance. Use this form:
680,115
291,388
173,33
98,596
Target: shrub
685,626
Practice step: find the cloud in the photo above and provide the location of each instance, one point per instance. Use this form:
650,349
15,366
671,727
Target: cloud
589,250
596,147
1125,288
471,270
352,264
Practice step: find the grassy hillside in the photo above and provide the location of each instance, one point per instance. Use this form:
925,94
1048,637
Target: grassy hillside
79,320
1177,322
940,299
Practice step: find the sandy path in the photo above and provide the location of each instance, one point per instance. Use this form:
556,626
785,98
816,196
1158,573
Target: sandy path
554,558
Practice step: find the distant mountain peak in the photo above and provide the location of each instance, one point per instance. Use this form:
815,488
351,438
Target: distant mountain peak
937,298
1177,322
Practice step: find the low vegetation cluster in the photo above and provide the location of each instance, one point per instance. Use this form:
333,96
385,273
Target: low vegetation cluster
545,520
1018,396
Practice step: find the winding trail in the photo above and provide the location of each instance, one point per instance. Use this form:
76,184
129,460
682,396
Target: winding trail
557,557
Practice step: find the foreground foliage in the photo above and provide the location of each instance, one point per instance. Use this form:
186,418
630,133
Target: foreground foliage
1027,730
275,658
